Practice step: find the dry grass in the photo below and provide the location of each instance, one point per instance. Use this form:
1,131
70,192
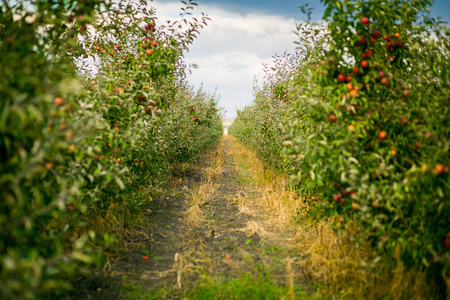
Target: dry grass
204,192
336,260
194,259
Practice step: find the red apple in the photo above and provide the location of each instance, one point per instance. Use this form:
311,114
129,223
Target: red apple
376,34
365,20
336,197
384,81
59,101
439,168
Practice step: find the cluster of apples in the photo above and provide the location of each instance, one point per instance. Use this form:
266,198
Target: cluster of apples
149,43
363,65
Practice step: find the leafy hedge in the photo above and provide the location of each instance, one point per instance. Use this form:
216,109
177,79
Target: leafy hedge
93,107
368,130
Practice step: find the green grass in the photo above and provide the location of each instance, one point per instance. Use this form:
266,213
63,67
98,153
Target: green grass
245,287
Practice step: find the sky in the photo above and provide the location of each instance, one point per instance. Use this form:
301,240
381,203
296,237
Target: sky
241,36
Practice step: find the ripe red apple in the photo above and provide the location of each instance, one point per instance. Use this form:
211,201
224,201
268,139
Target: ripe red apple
382,135
59,101
341,78
369,52
336,197
154,43
355,70
332,118
376,34
70,207
384,81
404,121
439,168
364,64
365,20
145,258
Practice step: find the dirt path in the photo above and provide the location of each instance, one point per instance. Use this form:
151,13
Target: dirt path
208,238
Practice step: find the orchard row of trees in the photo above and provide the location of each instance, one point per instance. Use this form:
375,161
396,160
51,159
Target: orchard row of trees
94,113
359,117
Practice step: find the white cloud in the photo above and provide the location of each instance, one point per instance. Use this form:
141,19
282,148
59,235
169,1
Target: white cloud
231,50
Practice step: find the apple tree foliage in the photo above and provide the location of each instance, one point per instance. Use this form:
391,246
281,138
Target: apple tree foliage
94,113
368,131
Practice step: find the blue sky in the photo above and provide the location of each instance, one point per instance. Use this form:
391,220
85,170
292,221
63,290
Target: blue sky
289,8
242,35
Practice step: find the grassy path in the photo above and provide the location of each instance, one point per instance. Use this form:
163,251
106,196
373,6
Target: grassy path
214,234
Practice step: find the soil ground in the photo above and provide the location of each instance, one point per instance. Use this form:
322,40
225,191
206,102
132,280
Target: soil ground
202,243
